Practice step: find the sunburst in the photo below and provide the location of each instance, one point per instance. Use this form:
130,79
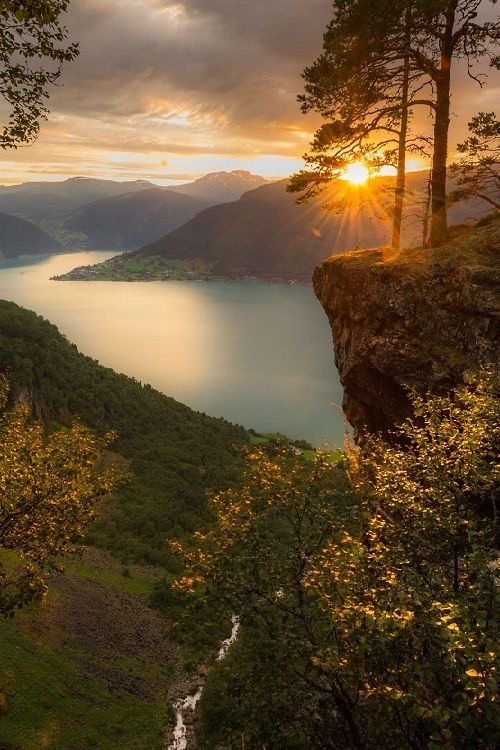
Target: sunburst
356,173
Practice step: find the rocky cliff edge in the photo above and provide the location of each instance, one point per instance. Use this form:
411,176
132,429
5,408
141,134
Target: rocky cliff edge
416,318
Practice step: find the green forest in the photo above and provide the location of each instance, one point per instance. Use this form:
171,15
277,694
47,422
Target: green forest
174,454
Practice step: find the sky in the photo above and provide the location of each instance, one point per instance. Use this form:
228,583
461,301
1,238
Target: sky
169,91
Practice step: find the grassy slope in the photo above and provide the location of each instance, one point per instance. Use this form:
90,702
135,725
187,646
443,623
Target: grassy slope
142,269
471,245
89,666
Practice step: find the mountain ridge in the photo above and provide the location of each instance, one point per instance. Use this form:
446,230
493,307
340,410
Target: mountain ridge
133,219
221,187
21,237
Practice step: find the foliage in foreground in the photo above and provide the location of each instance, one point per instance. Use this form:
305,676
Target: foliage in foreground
31,57
377,621
50,486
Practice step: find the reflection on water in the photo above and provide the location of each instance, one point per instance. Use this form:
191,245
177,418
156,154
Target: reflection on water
258,354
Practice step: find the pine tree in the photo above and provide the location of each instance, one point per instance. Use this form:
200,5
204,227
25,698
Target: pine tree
379,63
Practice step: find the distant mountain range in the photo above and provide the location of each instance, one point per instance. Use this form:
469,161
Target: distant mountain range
132,219
221,187
16,235
38,201
91,213
266,235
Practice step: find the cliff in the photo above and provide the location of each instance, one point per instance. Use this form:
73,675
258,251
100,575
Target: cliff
416,318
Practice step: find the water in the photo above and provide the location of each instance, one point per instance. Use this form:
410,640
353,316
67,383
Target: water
190,702
257,354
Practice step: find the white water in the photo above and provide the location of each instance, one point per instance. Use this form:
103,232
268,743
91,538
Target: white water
228,642
179,733
190,701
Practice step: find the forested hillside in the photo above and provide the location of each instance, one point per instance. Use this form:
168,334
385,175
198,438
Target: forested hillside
21,237
175,454
132,219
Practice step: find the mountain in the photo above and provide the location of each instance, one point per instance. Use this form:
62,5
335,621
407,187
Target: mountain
133,219
71,211
221,187
266,235
21,237
175,453
39,201
37,207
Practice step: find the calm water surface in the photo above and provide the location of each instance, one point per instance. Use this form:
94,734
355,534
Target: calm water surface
258,354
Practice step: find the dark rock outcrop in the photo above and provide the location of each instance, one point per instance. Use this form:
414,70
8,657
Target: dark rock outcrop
418,318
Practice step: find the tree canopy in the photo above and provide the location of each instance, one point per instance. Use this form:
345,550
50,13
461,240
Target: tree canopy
377,618
32,52
50,487
477,172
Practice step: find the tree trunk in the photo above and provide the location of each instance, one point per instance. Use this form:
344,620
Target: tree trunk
399,194
425,211
439,225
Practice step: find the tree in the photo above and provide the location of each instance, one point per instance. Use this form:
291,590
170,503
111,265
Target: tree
440,31
386,609
30,32
448,29
477,172
50,487
365,94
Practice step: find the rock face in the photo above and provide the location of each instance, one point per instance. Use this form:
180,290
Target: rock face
415,318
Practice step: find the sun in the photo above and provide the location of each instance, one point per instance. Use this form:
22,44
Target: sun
356,173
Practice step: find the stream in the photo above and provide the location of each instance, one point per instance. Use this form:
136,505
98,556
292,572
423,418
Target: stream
189,703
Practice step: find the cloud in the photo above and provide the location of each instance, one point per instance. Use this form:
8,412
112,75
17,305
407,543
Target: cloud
222,64
193,80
